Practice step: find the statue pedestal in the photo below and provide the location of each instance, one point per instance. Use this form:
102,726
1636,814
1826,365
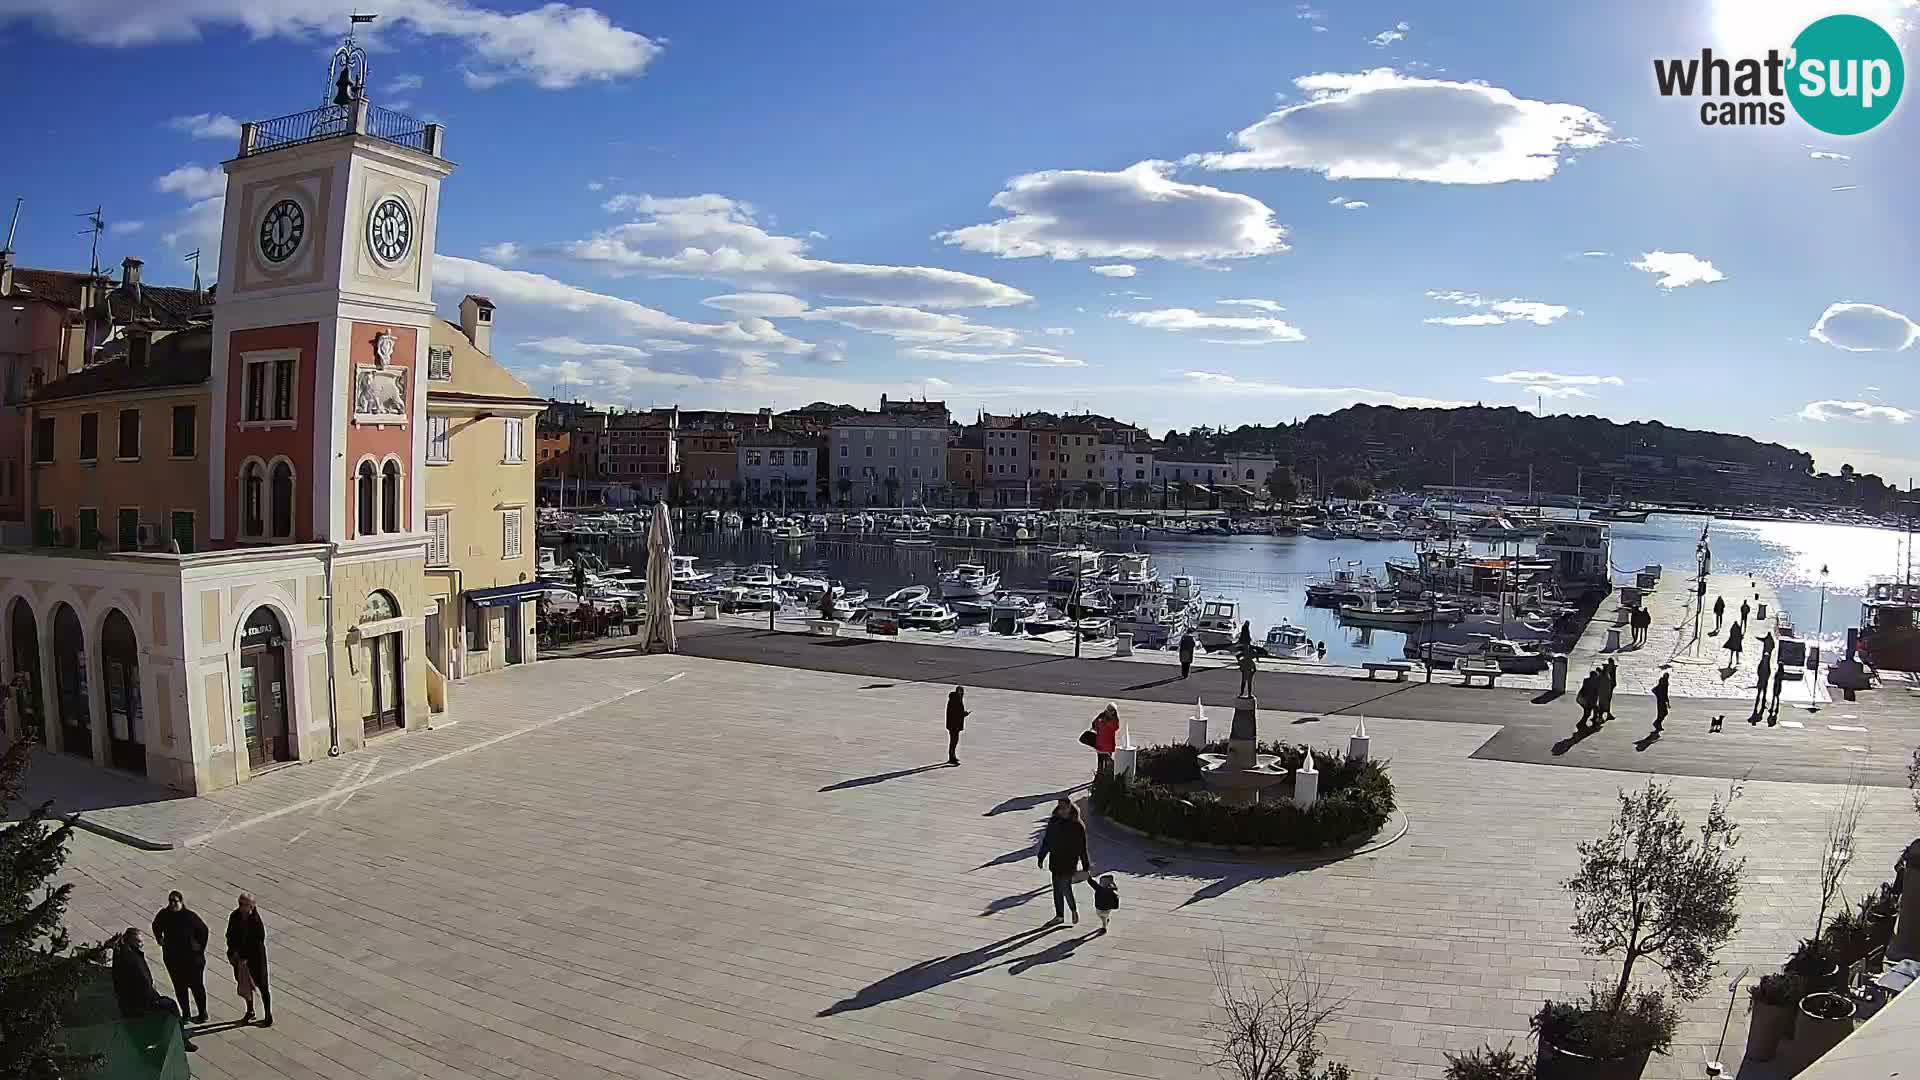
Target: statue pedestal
1240,773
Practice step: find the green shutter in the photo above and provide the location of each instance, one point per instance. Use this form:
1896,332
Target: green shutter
129,530
183,530
43,528
89,531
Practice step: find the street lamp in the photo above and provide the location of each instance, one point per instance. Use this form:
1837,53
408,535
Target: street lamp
1821,630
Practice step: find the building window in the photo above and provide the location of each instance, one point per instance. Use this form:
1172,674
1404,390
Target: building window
253,499
268,390
129,435
753,457
367,496
180,526
510,534
87,535
846,472
45,527
843,449
799,457
43,440
893,473
439,440
439,363
869,451
282,491
515,433
439,525
390,498
129,529
916,472
89,436
893,451
184,434
776,457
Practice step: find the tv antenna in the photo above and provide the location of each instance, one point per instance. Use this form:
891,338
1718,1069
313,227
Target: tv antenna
194,258
14,224
95,225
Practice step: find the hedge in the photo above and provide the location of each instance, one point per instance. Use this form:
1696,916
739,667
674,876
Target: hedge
1164,796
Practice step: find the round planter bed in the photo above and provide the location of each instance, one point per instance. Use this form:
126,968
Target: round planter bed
1557,1063
1825,1018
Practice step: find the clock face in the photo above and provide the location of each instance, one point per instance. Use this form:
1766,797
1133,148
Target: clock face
390,230
281,230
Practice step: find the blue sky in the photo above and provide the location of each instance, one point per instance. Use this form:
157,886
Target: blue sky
1314,204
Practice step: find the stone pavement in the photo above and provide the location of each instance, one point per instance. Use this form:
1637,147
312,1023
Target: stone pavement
754,871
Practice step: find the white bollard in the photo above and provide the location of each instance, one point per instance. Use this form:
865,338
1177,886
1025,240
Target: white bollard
1197,727
1124,753
1123,644
1358,742
1306,783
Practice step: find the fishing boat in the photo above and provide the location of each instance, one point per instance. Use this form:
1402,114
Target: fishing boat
1620,513
1128,575
805,586
968,580
860,522
1218,623
1514,657
748,598
684,575
1343,585
1153,619
1321,532
1068,569
711,519
929,616
790,531
1889,630
1009,610
1288,640
973,607
731,520
912,542
1370,612
760,576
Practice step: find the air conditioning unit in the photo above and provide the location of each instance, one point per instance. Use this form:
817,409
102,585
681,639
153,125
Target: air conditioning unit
152,537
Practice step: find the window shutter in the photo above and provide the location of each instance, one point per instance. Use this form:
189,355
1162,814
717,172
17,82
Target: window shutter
437,531
510,534
439,363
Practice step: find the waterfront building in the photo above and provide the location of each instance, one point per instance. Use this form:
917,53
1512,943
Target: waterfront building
777,469
890,458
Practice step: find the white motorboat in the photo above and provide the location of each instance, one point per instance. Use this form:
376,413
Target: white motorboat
968,580
902,599
1046,620
1218,624
748,598
975,607
732,520
929,616
1009,610
684,575
1289,640
1370,612
760,576
1344,586
848,596
1153,620
912,542
1514,657
711,518
790,531
861,522
805,586
1076,566
1128,575
817,522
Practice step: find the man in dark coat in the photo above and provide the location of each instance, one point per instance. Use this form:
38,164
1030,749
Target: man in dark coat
1660,701
1063,851
247,944
1186,653
183,948
956,723
1719,612
1746,610
133,985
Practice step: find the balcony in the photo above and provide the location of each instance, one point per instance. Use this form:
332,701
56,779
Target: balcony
334,121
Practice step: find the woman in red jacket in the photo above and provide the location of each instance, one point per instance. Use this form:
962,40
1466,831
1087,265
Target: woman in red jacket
1106,730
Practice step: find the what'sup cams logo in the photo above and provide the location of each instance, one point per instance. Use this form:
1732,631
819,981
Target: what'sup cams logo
1843,76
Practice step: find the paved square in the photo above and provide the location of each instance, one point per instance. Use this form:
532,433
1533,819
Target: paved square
752,871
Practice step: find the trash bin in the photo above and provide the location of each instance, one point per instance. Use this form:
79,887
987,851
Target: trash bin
1762,613
1123,757
1613,639
1123,644
1197,729
713,609
1558,662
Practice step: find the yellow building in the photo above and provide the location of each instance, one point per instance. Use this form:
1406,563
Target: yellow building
480,501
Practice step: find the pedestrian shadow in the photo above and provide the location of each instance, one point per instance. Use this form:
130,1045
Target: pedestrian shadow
1579,736
1640,745
215,1029
1729,672
1221,886
928,974
1028,802
878,686
1031,850
1150,685
881,778
1052,954
1306,720
1008,903
1545,696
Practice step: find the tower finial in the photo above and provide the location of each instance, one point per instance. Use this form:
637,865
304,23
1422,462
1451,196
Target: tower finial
347,71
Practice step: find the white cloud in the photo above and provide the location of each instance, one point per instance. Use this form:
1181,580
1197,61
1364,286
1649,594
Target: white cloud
1494,312
1115,270
1596,254
193,182
207,125
1030,356
1820,411
712,236
1309,13
1828,155
1678,269
1331,397
1345,203
766,305
506,252
1139,212
1533,379
198,229
1217,329
400,84
595,185
553,46
1382,125
1263,305
1387,37
1844,187
1859,327
1059,331
574,347
122,228
888,320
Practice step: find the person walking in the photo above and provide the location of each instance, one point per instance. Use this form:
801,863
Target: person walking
1779,687
1106,731
1186,653
1746,609
1106,898
183,948
1660,701
247,950
1735,645
1609,679
1063,851
1589,694
956,723
1760,683
1719,612
133,985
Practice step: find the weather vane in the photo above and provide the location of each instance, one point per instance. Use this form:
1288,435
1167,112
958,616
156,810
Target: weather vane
347,73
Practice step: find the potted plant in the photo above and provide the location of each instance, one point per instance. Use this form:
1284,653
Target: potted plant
1878,911
1825,1018
1847,938
1773,1001
1813,962
1486,1063
1650,888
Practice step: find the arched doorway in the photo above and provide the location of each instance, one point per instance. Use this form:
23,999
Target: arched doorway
70,682
265,710
120,667
23,703
384,690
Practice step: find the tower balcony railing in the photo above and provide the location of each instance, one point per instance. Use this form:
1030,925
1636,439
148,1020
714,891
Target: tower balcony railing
331,121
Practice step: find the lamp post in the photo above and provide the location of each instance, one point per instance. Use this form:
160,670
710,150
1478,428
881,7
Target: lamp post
1821,630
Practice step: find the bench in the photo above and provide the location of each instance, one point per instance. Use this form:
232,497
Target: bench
823,627
1470,671
1398,668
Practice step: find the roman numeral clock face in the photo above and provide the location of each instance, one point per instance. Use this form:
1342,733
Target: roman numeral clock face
390,230
281,231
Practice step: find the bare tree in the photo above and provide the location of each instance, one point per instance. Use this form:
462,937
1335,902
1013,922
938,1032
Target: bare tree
1837,851
1270,1025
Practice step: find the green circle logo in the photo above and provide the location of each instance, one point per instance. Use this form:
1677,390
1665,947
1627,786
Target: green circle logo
1847,75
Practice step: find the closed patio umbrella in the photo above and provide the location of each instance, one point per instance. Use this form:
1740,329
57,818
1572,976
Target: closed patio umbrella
660,582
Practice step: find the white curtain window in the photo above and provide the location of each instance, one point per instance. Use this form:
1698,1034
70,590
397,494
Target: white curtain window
510,534
439,439
438,526
514,432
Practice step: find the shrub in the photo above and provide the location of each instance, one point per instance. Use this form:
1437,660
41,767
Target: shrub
1486,1063
1847,937
1356,799
1644,1021
1814,959
1175,764
1778,988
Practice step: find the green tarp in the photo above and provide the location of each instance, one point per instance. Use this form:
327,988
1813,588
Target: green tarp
149,1048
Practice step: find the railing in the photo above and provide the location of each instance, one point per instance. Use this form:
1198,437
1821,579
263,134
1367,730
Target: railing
329,121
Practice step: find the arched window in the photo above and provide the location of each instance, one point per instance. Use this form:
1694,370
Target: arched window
283,500
368,498
253,514
390,498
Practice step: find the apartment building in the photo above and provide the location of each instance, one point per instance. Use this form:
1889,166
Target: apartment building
894,458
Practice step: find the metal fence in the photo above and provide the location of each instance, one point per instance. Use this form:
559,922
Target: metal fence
328,121
397,128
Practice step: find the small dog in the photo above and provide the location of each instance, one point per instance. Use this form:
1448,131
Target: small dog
1714,727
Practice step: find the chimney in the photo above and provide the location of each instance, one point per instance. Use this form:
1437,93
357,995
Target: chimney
130,279
476,321
766,419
